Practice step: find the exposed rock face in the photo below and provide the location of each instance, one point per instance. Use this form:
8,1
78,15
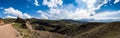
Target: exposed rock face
28,25
1,21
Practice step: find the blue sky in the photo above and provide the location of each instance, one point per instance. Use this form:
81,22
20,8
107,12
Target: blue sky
61,9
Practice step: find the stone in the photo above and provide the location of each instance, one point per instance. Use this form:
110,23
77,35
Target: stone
1,22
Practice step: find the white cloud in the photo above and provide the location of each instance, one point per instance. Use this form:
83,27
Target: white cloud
116,1
80,14
8,16
16,12
13,12
65,14
43,16
92,5
25,15
39,11
53,3
101,3
56,14
36,2
51,14
76,13
45,2
107,15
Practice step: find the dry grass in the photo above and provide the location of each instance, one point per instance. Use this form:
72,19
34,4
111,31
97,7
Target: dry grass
46,34
24,32
110,30
62,29
37,34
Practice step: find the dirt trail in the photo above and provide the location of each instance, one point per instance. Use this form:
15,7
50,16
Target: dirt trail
7,31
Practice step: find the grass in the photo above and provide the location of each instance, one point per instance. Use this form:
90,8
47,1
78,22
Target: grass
36,34
110,30
24,32
62,29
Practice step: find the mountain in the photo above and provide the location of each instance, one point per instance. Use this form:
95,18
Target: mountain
75,21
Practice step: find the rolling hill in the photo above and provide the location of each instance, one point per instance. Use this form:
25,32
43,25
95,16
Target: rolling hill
42,28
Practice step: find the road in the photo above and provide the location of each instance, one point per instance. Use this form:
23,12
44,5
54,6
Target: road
7,31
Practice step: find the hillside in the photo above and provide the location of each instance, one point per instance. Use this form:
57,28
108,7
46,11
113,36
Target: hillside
42,28
110,30
86,30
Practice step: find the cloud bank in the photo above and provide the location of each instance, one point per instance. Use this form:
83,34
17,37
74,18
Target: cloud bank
77,13
108,15
15,13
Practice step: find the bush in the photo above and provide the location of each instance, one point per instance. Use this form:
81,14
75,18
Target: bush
20,20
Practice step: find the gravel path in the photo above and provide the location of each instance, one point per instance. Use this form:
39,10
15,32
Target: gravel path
7,31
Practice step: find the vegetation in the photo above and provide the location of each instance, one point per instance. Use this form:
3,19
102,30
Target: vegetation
0,18
23,31
8,20
86,30
20,20
66,29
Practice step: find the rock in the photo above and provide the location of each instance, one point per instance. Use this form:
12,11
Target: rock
28,25
1,22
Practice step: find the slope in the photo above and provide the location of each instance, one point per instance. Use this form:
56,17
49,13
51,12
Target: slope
110,30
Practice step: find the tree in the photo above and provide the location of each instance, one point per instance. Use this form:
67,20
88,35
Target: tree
0,18
20,20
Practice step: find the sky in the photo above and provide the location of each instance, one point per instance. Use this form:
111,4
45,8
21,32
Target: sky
102,10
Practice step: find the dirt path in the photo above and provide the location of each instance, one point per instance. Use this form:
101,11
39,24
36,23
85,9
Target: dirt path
7,31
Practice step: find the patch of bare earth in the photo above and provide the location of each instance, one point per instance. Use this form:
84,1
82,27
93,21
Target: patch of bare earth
7,31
